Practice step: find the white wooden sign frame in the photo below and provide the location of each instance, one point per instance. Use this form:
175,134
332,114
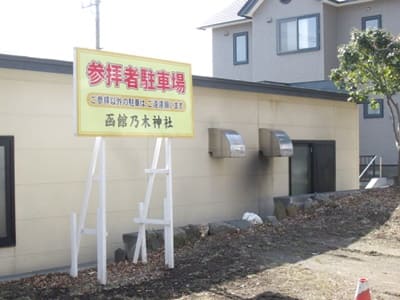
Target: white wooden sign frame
78,230
167,221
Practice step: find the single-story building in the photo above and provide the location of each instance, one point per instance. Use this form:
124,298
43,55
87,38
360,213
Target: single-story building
44,166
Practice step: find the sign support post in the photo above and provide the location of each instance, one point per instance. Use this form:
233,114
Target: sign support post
167,221
77,230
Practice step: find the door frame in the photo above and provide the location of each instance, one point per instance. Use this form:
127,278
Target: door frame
8,143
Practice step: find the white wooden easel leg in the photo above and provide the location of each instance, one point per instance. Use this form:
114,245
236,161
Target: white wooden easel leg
74,250
78,229
101,221
169,207
88,189
167,220
141,247
166,233
144,207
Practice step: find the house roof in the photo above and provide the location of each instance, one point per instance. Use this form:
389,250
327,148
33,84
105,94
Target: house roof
243,10
227,16
66,67
248,7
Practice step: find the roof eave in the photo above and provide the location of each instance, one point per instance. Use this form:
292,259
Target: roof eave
225,24
345,3
27,63
270,88
249,9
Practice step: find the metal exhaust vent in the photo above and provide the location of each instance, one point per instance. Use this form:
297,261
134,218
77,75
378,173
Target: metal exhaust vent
225,143
274,142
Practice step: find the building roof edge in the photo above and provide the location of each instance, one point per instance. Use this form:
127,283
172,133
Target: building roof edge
271,88
66,67
35,64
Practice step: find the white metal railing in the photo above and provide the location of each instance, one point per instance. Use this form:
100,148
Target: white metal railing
370,164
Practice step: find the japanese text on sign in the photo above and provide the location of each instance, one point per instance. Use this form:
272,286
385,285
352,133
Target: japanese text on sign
126,95
114,75
121,101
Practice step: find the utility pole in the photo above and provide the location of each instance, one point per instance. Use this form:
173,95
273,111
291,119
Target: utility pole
96,3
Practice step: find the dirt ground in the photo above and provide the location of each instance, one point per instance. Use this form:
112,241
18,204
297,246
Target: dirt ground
320,254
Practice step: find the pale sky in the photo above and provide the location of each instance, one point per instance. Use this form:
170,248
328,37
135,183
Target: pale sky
163,29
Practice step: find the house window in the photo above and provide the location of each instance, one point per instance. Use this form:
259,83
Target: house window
373,111
298,34
7,217
371,22
240,48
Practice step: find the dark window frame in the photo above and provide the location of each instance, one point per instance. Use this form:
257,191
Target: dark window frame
369,18
235,36
8,143
318,33
373,116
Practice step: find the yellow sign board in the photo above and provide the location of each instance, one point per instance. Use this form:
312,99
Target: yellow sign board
124,95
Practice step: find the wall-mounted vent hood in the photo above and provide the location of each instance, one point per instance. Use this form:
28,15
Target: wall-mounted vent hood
274,142
225,143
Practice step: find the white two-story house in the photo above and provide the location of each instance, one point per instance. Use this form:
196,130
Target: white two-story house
295,42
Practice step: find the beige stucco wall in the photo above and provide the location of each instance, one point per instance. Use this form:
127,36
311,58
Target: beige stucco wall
51,164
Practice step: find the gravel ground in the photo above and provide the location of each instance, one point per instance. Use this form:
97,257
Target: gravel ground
319,254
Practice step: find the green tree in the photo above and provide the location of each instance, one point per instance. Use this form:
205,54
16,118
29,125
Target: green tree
369,68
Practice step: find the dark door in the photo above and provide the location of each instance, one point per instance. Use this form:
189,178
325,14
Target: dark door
324,165
312,167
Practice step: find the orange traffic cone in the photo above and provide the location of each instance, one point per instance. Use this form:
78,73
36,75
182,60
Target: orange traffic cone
362,291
